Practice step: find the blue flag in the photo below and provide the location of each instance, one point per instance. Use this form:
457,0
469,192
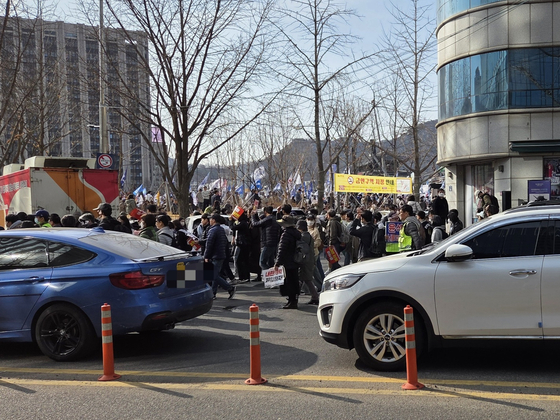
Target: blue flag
204,181
240,190
138,190
123,179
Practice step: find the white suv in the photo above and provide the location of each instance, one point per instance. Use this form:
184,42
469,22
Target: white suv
497,279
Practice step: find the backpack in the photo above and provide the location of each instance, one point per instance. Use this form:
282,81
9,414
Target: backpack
344,233
303,251
377,246
444,234
174,241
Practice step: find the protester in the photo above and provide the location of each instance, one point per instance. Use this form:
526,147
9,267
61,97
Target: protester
106,221
242,239
54,220
181,234
306,269
41,219
12,221
215,252
438,229
270,235
87,220
285,257
68,220
148,227
164,231
125,222
333,233
313,229
362,228
410,236
455,223
440,206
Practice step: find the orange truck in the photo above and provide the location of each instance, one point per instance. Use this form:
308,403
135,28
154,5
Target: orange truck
58,185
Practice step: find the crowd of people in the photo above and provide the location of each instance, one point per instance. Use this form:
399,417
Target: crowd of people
273,236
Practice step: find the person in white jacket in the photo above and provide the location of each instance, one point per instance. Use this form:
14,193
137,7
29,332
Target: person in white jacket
416,207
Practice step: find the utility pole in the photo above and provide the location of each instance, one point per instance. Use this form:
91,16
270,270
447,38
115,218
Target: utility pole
103,134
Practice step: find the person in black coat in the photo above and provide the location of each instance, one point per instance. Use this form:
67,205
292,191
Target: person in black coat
363,228
243,243
270,234
440,206
285,256
216,253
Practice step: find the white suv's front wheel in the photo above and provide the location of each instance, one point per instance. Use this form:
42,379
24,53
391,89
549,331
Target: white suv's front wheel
379,337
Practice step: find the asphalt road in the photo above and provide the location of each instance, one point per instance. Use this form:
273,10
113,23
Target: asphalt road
198,371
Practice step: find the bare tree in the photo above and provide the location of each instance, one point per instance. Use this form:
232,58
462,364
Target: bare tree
205,62
314,37
410,61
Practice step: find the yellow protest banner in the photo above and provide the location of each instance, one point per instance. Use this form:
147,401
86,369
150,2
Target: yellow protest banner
372,184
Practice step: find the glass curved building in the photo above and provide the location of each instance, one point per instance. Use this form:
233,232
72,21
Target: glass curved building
499,99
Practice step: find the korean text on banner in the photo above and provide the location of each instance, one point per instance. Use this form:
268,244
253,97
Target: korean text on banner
273,277
331,254
372,184
237,212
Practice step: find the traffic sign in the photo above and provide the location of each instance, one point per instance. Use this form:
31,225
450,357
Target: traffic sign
105,161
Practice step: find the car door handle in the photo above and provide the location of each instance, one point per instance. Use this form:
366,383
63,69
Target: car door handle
34,279
517,272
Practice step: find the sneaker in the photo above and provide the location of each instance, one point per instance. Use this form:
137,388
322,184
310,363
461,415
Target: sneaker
232,292
214,297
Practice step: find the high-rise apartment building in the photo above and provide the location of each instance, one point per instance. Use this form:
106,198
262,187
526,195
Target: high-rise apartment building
499,98
54,107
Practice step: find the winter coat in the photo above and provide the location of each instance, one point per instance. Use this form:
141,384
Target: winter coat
412,228
129,205
216,244
287,247
437,233
110,223
242,233
365,233
334,230
149,232
270,230
308,239
317,242
165,235
416,207
440,207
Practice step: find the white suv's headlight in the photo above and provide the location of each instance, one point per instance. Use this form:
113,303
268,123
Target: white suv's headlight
343,281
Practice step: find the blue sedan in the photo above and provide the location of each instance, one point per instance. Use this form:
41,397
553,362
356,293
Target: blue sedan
54,281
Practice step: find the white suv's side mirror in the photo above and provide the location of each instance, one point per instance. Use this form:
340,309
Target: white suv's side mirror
458,253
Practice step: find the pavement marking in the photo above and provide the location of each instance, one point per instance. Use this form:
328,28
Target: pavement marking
319,378
318,391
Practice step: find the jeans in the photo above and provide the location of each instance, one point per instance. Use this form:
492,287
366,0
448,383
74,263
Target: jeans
219,280
347,254
319,267
268,253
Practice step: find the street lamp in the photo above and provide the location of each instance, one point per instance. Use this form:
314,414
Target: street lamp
103,136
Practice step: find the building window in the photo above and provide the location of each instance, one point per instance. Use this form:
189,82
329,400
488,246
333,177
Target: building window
447,8
513,79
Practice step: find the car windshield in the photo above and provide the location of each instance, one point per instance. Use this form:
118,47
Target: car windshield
465,232
130,246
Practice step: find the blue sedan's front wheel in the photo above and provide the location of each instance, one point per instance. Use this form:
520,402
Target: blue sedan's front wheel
64,333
